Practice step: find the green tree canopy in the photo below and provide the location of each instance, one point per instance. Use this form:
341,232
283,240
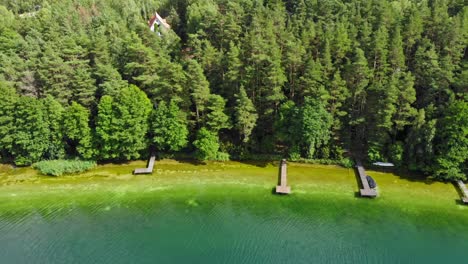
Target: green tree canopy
31,132
77,131
452,143
206,144
169,127
123,123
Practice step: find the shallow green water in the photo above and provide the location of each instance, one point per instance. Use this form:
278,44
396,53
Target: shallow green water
229,224
225,213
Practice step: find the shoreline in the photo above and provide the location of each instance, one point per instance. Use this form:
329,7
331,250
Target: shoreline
24,186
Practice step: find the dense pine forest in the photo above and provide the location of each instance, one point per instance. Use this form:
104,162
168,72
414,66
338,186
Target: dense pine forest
240,79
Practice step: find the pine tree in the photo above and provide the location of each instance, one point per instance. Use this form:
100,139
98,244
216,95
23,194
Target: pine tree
336,107
265,73
293,62
141,66
341,44
312,83
396,53
200,89
357,77
233,76
429,75
338,94
215,118
405,112
245,115
54,76
414,27
81,84
83,87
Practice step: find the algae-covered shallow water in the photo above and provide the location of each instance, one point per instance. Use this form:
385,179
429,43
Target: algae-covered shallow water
225,213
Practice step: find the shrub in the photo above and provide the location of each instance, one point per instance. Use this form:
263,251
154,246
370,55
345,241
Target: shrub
207,145
222,156
260,157
396,153
294,153
374,153
61,167
346,162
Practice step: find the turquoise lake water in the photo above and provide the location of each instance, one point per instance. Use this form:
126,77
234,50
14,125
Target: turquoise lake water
230,226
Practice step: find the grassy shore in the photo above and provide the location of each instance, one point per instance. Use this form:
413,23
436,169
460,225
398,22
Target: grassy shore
26,188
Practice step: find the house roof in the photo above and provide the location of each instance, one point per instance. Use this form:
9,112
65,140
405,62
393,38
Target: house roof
156,18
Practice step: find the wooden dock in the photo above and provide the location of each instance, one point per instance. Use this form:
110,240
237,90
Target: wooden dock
464,191
148,169
366,190
283,187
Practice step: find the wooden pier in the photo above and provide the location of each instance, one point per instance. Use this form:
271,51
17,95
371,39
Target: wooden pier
283,187
148,169
366,190
464,191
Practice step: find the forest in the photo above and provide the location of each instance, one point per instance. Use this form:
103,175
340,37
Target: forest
237,79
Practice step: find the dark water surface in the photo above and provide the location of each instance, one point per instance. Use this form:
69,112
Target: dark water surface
230,226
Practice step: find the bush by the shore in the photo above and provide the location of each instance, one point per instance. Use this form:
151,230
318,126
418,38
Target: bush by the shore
61,167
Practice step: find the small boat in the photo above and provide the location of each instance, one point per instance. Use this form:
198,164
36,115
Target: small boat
371,182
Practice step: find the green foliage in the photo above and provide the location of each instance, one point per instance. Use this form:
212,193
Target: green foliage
419,150
31,133
245,115
200,90
452,143
374,153
54,115
306,128
222,156
316,124
7,118
206,144
61,167
169,127
396,153
122,124
216,119
77,132
105,127
306,78
347,163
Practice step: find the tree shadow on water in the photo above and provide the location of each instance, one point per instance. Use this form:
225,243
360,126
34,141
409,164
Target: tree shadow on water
404,174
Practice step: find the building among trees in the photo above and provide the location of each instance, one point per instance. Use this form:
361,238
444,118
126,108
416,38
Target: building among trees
158,24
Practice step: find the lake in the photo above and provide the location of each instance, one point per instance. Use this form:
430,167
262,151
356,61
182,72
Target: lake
147,220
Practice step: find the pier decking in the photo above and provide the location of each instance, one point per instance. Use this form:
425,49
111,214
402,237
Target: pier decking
463,189
148,169
283,187
366,190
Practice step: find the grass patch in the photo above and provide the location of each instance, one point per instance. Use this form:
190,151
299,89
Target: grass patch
61,167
